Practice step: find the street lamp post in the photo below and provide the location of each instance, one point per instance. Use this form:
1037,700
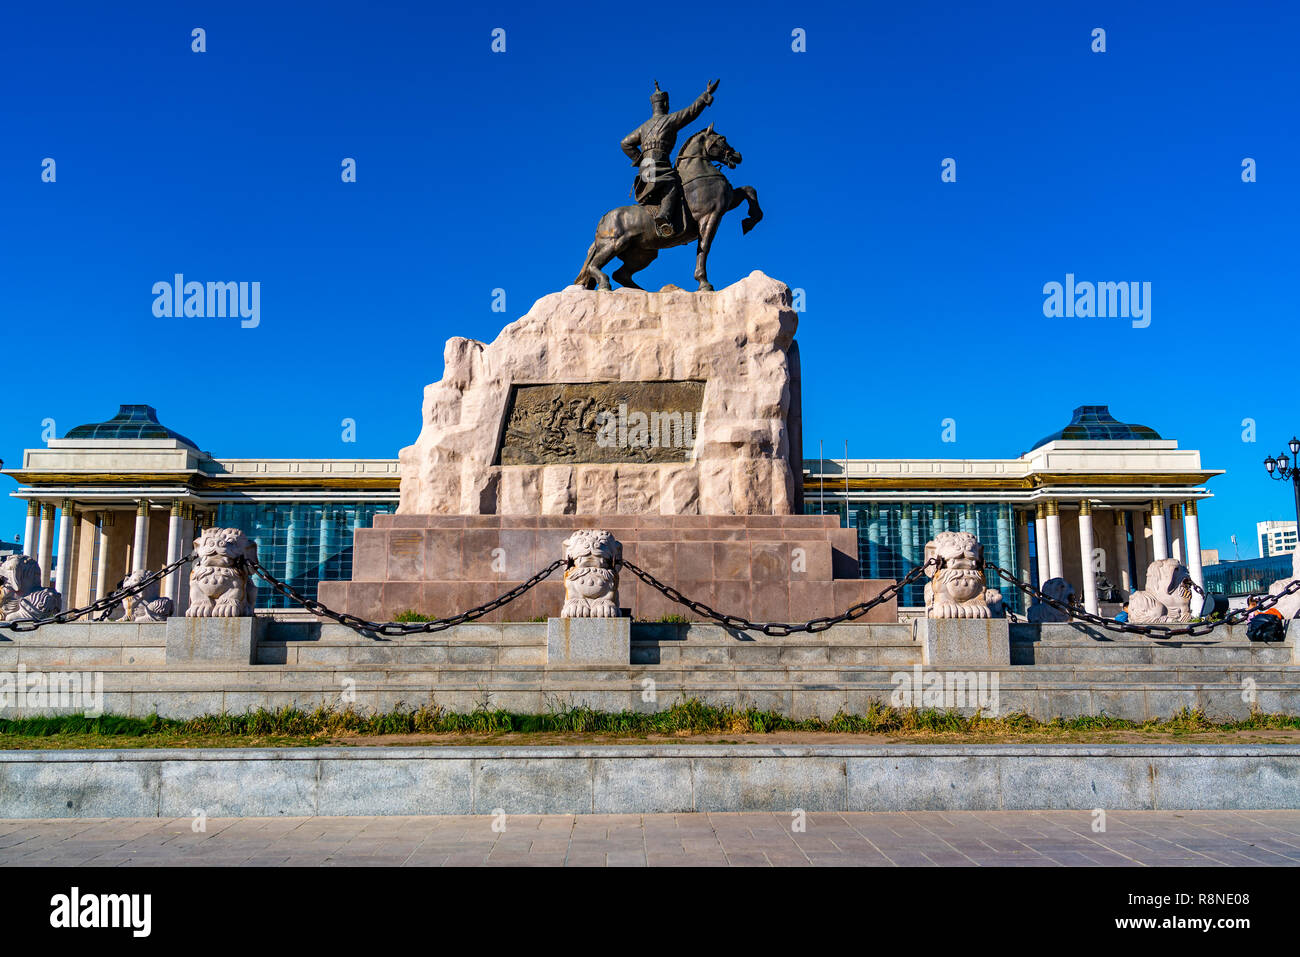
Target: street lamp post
1283,468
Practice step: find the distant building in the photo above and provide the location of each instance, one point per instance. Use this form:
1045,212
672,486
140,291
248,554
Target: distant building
1209,556
1275,538
130,493
1117,493
1098,494
1238,579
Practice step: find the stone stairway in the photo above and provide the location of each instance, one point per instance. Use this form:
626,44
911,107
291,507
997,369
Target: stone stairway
1055,670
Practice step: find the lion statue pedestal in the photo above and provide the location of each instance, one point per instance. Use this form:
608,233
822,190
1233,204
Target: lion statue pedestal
591,628
957,588
965,623
221,581
146,605
1167,597
21,596
592,557
1041,613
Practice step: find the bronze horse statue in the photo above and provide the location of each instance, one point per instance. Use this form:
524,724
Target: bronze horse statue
629,233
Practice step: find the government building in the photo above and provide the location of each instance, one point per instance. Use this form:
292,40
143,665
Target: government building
129,493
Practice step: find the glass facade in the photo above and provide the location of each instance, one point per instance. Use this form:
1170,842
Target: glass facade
892,537
302,543
1247,576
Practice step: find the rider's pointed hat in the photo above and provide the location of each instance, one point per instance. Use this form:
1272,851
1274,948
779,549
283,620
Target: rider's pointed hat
658,96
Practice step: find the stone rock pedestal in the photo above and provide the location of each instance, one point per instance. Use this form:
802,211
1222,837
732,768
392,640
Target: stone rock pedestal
588,641
483,449
965,642
213,640
671,419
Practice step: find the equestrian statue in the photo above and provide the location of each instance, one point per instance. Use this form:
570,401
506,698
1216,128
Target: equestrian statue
676,202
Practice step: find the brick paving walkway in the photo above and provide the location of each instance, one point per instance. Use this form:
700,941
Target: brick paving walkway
927,838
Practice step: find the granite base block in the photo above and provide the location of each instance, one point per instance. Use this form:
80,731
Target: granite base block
229,640
964,641
589,641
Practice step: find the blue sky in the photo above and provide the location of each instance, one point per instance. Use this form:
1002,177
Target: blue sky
478,171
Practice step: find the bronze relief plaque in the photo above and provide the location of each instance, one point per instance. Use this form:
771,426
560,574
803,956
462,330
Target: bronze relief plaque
601,423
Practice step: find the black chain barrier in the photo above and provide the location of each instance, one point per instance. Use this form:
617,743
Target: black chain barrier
771,628
1154,629
105,604
777,628
399,628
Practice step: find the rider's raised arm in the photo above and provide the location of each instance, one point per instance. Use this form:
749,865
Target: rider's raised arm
682,117
632,146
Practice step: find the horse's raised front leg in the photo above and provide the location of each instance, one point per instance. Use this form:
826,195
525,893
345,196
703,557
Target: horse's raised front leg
740,194
708,226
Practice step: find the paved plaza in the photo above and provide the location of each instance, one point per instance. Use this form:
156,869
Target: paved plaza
916,838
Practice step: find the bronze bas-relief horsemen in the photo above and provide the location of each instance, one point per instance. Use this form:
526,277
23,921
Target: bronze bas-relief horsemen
630,232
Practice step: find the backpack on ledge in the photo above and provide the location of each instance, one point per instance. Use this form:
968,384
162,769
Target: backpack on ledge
1264,627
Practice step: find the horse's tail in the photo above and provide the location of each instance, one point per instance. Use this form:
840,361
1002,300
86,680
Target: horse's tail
583,279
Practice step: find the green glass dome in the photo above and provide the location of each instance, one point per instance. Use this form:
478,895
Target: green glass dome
131,422
1092,423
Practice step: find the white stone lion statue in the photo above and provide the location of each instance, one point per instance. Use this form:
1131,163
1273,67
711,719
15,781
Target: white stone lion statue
591,576
145,605
220,585
21,595
1042,613
1167,596
1288,607
957,588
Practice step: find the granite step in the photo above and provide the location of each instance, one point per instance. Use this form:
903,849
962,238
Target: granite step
1134,701
491,675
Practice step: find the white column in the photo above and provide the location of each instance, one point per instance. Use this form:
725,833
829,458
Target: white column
63,569
1040,543
140,548
1121,552
1159,536
1055,563
31,541
171,584
1021,524
1141,548
1192,529
46,556
103,587
1175,533
1085,555
182,597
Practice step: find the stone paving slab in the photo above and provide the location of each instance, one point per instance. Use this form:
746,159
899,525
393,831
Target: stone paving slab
737,839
